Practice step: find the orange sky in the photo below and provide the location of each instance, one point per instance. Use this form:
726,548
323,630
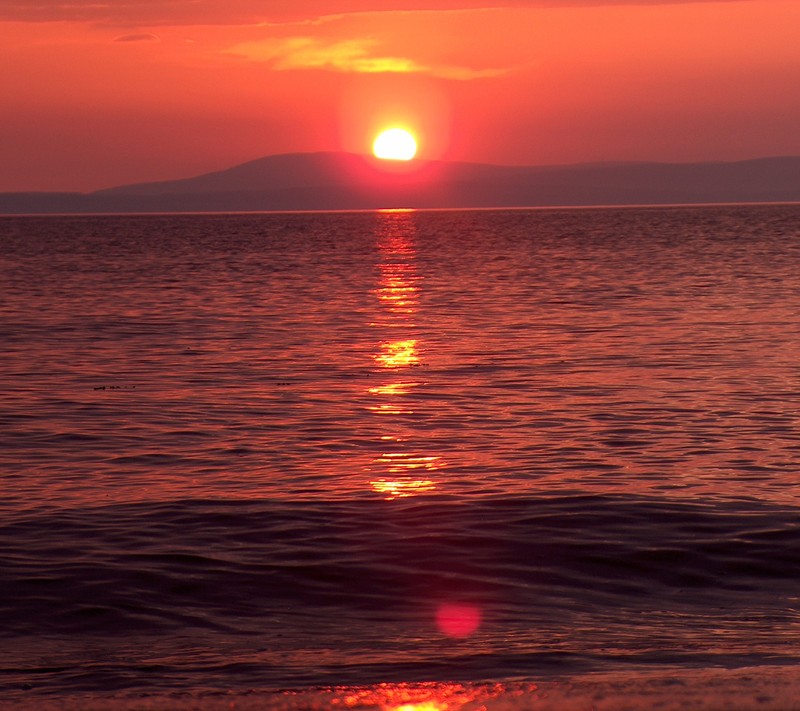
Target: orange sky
96,93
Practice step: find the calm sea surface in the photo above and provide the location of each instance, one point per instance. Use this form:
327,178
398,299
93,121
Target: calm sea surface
290,450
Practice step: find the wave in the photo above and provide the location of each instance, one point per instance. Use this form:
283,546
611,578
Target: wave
226,565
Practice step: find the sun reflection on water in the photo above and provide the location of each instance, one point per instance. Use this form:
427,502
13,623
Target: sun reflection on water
406,471
397,294
426,697
402,488
390,409
398,354
392,389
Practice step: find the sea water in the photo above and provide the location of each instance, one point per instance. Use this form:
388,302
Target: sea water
284,451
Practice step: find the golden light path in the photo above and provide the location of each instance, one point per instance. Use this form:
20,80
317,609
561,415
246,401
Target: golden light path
402,471
404,468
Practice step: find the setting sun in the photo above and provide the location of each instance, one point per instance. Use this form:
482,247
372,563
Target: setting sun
395,144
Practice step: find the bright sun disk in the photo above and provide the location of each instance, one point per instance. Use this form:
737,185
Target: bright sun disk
394,144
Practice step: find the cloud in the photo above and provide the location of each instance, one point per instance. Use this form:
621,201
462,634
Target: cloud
141,37
353,55
198,12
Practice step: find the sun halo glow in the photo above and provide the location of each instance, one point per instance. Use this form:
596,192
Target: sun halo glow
394,144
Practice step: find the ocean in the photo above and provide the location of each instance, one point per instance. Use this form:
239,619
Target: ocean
246,453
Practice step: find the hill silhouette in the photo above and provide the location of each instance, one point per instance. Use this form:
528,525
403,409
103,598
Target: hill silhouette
345,181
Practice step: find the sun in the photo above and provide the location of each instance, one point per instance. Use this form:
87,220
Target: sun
394,144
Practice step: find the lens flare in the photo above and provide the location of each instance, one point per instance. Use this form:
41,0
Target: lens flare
458,619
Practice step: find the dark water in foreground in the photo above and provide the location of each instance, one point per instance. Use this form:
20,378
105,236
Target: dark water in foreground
271,451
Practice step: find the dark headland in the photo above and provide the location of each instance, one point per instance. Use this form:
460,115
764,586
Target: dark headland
344,181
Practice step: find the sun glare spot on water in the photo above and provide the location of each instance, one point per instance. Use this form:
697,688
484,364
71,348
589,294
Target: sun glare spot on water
404,461
404,480
441,696
392,389
390,409
402,488
398,354
394,144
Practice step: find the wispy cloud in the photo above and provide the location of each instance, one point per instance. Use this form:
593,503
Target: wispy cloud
141,37
353,55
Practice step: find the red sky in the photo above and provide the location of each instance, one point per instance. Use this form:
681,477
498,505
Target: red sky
98,93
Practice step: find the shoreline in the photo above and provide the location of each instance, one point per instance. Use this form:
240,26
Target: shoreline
766,688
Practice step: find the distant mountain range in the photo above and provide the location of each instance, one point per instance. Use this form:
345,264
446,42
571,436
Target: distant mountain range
344,181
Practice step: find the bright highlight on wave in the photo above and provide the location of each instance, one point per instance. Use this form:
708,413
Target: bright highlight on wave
398,354
443,696
405,478
395,144
402,488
